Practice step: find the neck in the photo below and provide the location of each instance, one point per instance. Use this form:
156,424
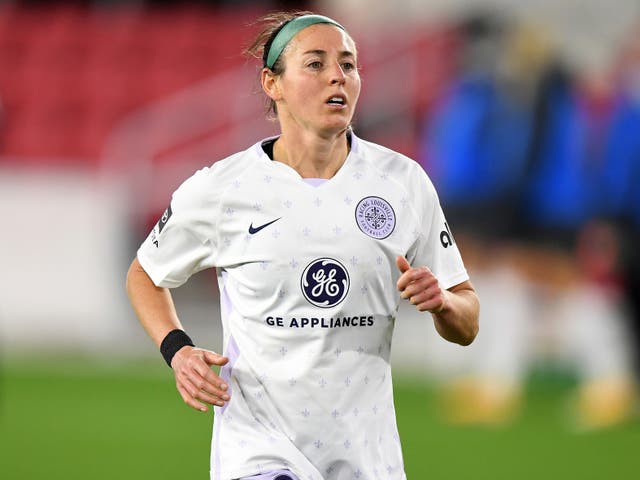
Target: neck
312,156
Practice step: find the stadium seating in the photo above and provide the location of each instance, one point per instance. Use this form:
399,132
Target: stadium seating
69,73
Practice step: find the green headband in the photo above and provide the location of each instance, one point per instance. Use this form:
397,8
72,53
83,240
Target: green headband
290,29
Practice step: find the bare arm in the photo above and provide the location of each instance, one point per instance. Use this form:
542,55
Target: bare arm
455,311
157,314
153,305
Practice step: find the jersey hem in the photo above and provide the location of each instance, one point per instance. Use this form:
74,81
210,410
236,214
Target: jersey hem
154,274
455,280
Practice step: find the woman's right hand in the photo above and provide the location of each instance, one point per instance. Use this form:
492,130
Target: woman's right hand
197,383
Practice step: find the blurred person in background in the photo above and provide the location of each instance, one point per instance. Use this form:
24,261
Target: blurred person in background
524,143
475,148
306,229
622,177
585,146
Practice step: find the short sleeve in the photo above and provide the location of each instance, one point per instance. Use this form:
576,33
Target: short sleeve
183,242
435,246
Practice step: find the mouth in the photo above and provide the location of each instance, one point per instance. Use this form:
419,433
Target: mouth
337,101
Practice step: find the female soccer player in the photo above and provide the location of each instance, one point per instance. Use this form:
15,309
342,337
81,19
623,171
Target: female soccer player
312,233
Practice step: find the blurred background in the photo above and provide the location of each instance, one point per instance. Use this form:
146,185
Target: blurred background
526,115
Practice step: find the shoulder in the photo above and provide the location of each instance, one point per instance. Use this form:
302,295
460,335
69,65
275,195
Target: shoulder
378,153
401,168
209,183
228,168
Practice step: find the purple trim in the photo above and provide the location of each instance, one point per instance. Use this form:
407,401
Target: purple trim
314,182
273,475
225,302
232,353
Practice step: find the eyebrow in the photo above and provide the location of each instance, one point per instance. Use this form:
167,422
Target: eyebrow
342,54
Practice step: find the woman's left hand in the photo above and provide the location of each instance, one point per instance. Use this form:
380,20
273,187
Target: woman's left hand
455,311
420,286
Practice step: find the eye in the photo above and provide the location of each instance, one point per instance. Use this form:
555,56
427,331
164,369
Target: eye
316,65
348,66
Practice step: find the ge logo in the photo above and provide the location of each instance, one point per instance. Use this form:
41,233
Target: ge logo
325,282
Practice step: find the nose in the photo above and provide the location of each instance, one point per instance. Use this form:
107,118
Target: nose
337,74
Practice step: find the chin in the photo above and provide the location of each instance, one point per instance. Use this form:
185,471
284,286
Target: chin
336,127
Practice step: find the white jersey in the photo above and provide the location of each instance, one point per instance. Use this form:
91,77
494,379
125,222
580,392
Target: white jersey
307,276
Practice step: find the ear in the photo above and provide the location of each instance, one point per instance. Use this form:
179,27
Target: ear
270,84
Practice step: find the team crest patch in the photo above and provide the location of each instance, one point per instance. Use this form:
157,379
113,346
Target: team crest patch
325,282
375,217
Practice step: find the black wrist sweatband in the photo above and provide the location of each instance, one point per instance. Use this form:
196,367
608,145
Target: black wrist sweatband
174,341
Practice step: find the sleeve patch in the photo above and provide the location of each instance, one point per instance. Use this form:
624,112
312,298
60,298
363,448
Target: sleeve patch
164,219
446,237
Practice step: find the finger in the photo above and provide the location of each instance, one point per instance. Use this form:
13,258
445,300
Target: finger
189,400
419,297
213,384
196,375
212,358
406,278
432,306
201,361
413,289
196,380
421,280
402,263
208,398
196,389
214,381
410,290
425,296
422,293
412,275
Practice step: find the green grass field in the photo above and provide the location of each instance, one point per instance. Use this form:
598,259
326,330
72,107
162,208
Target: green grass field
63,419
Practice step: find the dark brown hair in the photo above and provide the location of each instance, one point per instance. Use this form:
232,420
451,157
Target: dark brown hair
271,23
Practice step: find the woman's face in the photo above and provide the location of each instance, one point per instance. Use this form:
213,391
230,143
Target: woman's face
320,85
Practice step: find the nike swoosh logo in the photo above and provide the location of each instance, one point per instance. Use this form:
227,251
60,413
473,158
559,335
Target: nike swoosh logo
253,229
